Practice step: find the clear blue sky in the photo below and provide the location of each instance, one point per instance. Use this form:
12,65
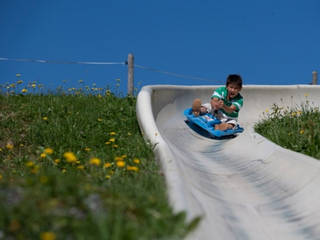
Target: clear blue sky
267,41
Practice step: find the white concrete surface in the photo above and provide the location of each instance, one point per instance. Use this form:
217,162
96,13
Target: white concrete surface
244,188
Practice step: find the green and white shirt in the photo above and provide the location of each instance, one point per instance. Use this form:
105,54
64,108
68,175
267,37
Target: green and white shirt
222,93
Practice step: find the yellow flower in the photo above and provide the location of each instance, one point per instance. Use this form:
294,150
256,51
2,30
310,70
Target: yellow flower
124,156
112,140
108,176
107,143
136,160
108,92
57,160
121,163
99,119
293,114
267,110
9,146
14,225
112,133
132,168
24,90
29,164
43,155
80,167
301,131
43,179
48,151
115,145
45,118
48,236
20,81
87,149
18,75
33,85
35,169
0,149
70,157
107,165
95,161
129,133
1,177
118,159
64,170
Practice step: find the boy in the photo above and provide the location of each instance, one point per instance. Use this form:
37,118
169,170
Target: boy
225,104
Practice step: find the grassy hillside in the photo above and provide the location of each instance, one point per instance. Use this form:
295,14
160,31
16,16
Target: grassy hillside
75,166
297,129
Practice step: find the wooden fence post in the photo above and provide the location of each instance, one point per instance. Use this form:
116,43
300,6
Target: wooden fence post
314,78
130,73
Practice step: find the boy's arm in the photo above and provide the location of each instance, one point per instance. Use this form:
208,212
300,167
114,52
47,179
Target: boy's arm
230,109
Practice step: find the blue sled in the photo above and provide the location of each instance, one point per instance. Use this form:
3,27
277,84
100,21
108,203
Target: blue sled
207,122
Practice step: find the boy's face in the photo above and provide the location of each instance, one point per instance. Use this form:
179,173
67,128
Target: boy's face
233,90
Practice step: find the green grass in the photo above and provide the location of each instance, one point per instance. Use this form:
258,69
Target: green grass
297,129
113,189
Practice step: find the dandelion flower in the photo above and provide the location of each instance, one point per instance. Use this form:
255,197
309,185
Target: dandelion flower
132,168
24,90
18,75
70,157
0,149
301,131
48,236
136,160
121,164
20,81
1,177
95,161
115,145
267,110
112,133
9,146
64,170
99,119
57,160
107,165
43,179
80,167
33,85
107,143
35,169
48,151
30,164
129,133
118,159
43,155
124,156
112,140
108,176
45,118
87,149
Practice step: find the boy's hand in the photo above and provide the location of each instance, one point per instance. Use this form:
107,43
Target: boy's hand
220,103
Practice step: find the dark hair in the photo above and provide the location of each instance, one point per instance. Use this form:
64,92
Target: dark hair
234,78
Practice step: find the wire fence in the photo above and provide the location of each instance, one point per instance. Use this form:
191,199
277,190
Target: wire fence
124,63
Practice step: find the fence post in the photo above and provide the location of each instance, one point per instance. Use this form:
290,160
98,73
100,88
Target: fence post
130,73
314,78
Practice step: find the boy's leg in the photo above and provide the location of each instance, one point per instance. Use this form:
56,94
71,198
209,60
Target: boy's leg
226,124
196,107
223,126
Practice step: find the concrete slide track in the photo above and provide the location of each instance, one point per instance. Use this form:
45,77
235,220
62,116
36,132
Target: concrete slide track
245,187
